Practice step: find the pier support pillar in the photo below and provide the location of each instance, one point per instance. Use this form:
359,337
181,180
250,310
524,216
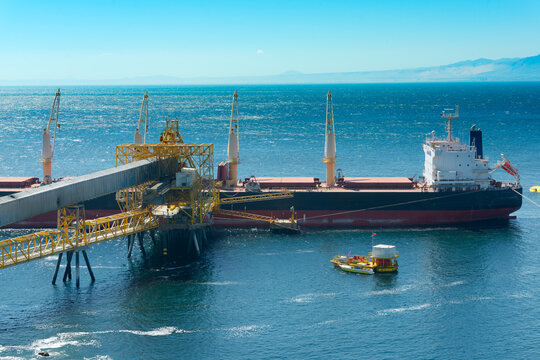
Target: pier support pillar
77,271
153,236
131,240
67,272
140,236
164,236
196,242
57,268
88,266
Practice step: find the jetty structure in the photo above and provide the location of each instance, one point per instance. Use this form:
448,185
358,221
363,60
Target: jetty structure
168,191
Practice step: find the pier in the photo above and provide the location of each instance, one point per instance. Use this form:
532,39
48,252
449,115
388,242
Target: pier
166,190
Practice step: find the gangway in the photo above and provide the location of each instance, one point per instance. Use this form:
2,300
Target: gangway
284,224
74,234
250,198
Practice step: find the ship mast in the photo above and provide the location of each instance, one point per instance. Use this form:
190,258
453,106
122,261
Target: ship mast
330,143
47,150
233,147
143,121
450,114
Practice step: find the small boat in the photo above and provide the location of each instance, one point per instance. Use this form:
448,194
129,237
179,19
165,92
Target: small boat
382,259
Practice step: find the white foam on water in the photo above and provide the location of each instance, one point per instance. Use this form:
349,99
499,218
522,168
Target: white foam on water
307,298
182,331
59,341
455,283
241,331
305,251
523,295
481,298
219,283
321,323
162,331
403,309
55,326
99,357
11,358
397,290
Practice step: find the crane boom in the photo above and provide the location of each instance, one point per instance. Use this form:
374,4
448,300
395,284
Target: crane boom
233,156
47,150
330,143
143,121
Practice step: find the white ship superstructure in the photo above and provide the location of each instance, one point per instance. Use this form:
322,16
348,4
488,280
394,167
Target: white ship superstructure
451,165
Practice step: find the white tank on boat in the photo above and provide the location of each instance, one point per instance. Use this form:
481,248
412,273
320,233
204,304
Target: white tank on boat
384,251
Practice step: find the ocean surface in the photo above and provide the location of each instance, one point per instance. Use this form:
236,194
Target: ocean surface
461,292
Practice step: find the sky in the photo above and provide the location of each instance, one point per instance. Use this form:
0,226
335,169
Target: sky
188,39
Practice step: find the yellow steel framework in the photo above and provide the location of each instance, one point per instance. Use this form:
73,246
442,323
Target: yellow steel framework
198,156
242,214
289,224
74,232
250,198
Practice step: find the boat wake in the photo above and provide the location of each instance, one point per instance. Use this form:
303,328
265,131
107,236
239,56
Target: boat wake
219,283
307,298
403,309
397,290
242,331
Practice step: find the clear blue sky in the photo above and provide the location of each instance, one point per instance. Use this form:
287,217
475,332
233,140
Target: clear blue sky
116,39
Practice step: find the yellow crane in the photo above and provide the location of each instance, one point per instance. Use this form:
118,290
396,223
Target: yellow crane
47,149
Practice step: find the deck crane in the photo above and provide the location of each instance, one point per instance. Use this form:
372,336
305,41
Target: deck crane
330,143
47,150
143,122
232,150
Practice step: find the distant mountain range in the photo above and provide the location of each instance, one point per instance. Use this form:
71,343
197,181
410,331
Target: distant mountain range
514,69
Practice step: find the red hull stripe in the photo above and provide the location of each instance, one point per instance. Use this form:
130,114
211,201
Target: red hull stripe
314,218
371,218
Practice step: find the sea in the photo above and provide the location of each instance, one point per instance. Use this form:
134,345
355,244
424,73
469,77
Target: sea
462,292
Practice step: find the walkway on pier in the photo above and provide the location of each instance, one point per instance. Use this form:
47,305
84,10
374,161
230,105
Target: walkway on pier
79,235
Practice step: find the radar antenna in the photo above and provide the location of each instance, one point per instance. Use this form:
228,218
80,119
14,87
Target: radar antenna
450,114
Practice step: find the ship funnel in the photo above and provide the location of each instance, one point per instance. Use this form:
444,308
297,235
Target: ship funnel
476,141
330,143
233,156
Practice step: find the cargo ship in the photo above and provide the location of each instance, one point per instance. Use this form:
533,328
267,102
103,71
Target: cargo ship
456,188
